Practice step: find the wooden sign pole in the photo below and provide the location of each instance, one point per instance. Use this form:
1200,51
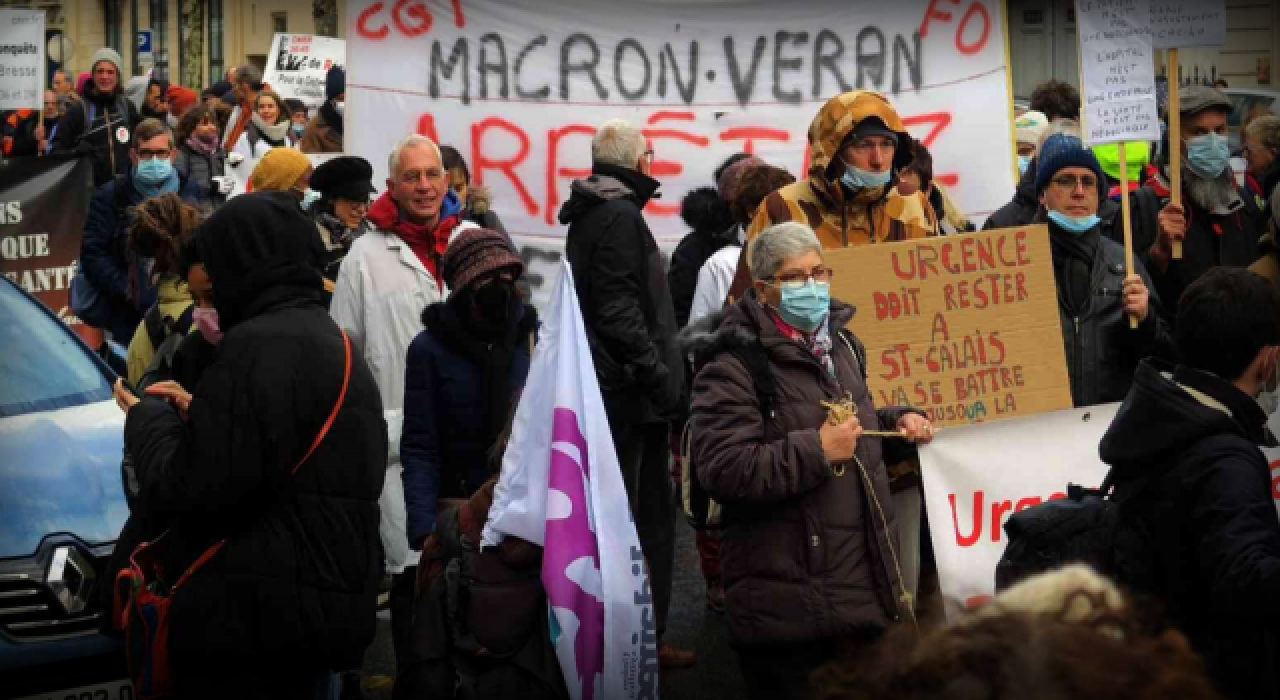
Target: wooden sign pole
1126,218
1175,140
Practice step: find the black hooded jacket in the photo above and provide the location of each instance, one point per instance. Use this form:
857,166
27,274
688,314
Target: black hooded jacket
713,228
1022,209
1209,507
294,591
92,127
626,306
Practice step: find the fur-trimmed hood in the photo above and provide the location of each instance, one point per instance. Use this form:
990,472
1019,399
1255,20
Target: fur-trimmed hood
479,199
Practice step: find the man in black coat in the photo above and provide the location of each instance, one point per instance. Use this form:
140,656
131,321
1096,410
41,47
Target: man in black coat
631,325
100,126
1184,450
292,595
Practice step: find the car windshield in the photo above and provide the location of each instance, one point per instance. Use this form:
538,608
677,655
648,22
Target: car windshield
42,367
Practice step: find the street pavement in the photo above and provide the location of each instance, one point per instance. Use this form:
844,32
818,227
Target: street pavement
689,625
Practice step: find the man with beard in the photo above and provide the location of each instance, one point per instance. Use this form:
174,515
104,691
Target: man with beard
1217,223
101,125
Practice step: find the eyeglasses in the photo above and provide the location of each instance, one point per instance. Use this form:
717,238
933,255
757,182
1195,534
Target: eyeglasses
1071,182
410,177
821,275
147,153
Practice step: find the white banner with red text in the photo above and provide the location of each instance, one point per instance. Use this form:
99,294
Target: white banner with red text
976,476
519,88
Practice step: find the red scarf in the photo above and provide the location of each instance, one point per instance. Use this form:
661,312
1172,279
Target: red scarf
427,242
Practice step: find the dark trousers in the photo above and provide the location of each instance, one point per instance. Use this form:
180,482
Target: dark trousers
402,613
782,672
643,454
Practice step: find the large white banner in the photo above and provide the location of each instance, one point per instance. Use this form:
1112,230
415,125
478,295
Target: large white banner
519,88
561,487
976,476
21,59
298,64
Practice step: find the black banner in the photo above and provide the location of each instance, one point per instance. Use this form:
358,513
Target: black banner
43,206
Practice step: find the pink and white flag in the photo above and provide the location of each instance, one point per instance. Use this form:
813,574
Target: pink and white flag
561,487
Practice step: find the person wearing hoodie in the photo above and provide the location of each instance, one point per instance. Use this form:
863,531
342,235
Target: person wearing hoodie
1031,128
324,132
389,276
100,125
118,276
631,325
706,211
1183,450
858,146
1217,223
201,162
276,459
1095,298
269,127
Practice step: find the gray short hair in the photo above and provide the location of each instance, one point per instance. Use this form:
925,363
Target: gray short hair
248,73
618,143
766,252
393,161
1267,130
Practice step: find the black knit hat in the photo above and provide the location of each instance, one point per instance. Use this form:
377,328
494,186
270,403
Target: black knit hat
346,177
335,82
476,252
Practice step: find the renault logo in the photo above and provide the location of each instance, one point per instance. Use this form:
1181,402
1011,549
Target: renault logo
71,578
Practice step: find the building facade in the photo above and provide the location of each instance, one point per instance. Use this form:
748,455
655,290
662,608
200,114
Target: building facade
192,42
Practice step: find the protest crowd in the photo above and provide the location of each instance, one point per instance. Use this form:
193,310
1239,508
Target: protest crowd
323,375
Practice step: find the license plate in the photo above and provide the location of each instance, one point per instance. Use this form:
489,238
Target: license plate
115,690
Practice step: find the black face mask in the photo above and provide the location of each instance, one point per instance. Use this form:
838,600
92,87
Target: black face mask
492,304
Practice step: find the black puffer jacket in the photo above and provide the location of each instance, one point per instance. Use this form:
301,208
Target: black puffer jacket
805,553
1216,540
713,228
617,272
91,127
1022,209
1102,350
294,591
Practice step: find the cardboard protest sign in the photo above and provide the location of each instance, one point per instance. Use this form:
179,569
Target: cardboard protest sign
965,328
975,477
43,206
519,88
1184,23
298,64
21,59
1117,73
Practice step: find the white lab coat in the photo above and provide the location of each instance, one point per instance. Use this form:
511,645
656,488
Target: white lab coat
715,277
379,296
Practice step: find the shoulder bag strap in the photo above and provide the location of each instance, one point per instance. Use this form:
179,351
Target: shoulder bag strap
324,430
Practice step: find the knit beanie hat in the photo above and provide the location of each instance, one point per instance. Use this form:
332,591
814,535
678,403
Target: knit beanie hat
181,99
1065,151
335,82
279,169
475,252
107,54
732,175
1030,127
1136,153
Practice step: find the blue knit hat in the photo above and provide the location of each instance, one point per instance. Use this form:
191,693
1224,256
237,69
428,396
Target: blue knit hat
1065,151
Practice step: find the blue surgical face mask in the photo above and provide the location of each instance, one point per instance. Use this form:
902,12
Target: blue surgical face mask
299,128
805,306
1024,162
309,197
153,171
1207,155
1072,224
859,179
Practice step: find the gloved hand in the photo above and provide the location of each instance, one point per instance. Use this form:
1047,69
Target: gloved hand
222,183
235,159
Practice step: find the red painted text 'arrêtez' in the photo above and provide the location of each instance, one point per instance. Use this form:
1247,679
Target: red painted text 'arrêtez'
661,168
481,162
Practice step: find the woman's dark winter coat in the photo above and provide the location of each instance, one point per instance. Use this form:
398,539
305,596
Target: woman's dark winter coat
197,170
294,591
804,552
1184,448
91,128
450,409
713,228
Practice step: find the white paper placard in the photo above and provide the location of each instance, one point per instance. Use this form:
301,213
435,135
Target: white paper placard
1182,23
1118,75
21,59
